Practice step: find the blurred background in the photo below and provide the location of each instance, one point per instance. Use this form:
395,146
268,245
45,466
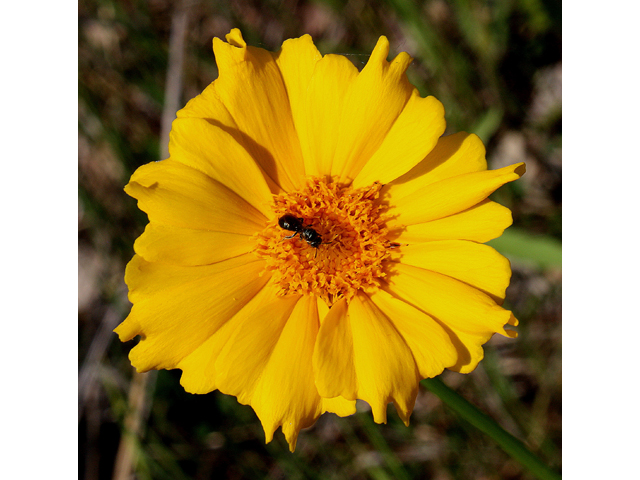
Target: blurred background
497,68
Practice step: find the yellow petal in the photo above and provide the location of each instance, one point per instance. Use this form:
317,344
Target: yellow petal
267,364
323,309
242,361
333,361
199,144
450,301
468,316
429,343
146,279
183,246
385,367
469,349
199,374
372,104
297,61
286,394
413,135
174,194
208,105
318,122
177,308
381,364
453,155
198,367
480,223
449,196
251,88
472,263
469,346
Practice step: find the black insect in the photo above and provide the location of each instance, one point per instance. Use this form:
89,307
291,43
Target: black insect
289,222
312,237
296,225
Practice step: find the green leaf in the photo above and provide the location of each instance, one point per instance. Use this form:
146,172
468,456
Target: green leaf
529,249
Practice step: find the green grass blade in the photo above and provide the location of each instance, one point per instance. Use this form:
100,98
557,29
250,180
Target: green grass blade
511,445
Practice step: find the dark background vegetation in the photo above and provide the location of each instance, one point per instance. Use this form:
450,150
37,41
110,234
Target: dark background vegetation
497,68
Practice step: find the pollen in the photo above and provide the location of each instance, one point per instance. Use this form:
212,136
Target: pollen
351,225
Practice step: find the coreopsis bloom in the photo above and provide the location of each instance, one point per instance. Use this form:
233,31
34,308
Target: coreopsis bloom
313,239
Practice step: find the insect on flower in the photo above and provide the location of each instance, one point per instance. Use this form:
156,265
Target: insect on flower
296,225
408,288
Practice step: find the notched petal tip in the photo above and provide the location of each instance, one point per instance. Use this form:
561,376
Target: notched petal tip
511,333
269,430
510,321
291,435
289,430
233,51
520,169
126,331
234,37
144,177
129,328
379,411
404,414
513,321
381,52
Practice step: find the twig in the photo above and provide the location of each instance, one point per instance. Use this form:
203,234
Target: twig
126,456
97,350
173,87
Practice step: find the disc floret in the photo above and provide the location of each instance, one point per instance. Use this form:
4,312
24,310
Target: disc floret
354,241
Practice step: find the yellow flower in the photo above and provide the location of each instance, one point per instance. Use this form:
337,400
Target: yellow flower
381,278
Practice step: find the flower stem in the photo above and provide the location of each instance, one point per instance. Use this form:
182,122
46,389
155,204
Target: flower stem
514,447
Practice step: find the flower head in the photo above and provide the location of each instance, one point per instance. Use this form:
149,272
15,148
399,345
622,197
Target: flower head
313,239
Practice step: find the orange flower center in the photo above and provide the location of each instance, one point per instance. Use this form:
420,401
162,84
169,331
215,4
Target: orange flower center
337,241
